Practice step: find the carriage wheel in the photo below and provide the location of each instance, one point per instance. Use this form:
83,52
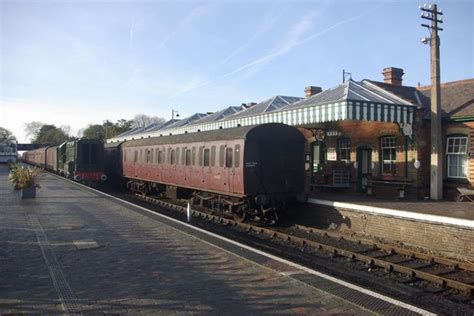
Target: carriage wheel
240,214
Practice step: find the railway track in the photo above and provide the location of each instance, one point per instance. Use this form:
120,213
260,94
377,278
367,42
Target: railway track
436,275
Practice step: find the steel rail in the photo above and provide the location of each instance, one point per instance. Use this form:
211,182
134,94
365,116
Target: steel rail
466,289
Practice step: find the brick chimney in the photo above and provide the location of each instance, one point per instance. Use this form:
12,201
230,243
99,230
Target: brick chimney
312,90
393,76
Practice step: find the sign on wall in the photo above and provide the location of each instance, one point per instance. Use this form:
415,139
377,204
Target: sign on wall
331,154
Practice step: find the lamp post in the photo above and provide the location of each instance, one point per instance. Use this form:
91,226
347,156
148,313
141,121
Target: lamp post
173,112
431,13
105,127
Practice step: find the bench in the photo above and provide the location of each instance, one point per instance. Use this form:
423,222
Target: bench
340,179
400,184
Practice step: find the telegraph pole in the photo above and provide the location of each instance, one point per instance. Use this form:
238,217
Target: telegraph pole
431,13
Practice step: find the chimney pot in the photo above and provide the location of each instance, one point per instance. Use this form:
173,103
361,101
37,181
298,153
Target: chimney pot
393,76
312,90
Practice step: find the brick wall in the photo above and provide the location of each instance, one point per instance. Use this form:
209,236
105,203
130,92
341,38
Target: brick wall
449,240
367,134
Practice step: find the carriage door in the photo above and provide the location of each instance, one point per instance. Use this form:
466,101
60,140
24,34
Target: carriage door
364,167
229,164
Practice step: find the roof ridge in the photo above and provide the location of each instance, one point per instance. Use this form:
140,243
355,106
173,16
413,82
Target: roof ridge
448,83
386,91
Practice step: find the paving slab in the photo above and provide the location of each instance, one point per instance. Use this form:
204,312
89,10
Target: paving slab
71,250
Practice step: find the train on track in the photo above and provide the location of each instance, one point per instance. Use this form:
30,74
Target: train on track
251,172
8,151
81,160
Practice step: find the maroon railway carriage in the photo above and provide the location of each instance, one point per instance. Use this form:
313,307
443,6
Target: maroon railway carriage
36,157
52,158
252,170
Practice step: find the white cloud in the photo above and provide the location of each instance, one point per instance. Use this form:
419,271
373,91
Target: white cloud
265,26
195,14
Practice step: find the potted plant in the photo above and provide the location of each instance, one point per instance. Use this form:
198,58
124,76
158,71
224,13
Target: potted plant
24,179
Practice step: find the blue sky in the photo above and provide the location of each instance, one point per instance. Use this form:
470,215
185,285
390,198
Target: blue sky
80,62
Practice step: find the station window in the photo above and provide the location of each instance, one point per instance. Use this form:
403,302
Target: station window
160,157
221,156
193,156
344,149
169,156
388,151
206,157
213,156
237,156
188,157
157,156
177,156
135,159
183,156
229,157
140,158
456,152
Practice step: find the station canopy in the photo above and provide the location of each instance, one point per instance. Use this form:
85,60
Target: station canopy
352,100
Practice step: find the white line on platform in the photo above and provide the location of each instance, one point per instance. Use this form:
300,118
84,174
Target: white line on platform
403,214
265,254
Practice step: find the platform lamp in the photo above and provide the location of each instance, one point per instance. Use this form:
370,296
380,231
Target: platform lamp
173,112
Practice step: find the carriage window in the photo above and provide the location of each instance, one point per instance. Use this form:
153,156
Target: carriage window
172,157
183,156
148,156
177,156
237,156
228,157
201,148
193,156
221,156
135,159
213,156
188,157
206,157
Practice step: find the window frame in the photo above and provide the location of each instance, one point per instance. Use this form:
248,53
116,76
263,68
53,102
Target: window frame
346,149
392,146
460,155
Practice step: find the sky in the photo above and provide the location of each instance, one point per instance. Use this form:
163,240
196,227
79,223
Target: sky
82,62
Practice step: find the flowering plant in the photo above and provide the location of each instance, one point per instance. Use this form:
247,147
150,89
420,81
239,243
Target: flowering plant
23,177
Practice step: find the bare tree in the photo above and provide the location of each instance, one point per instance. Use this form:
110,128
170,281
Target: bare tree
5,134
142,120
32,129
66,129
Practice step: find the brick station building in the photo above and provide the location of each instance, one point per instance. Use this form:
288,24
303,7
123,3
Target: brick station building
362,136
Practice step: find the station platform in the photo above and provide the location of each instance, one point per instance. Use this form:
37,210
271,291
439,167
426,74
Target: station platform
444,209
441,227
74,250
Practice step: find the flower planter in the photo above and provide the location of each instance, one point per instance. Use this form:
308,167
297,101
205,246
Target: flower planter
28,193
